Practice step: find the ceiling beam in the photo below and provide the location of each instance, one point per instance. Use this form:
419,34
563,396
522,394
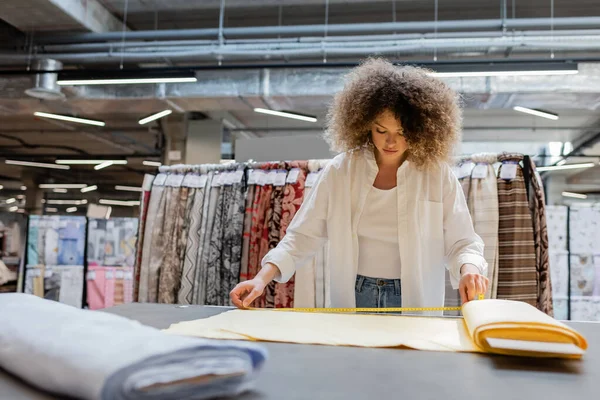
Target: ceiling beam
90,14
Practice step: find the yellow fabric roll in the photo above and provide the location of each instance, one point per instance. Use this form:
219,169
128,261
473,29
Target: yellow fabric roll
513,320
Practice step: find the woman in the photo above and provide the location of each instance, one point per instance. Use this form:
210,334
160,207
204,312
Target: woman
389,206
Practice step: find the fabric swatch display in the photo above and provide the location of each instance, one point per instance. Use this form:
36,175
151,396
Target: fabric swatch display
12,251
584,229
112,242
517,272
56,240
56,282
109,286
144,363
556,219
489,326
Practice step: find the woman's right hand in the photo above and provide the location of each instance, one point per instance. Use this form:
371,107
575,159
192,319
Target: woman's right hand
246,292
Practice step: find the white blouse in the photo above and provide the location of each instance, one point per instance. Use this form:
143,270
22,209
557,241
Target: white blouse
434,229
378,254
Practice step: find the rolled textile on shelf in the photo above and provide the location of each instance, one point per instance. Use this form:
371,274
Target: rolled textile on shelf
95,355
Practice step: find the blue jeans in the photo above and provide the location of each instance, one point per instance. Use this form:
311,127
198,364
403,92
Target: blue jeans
377,293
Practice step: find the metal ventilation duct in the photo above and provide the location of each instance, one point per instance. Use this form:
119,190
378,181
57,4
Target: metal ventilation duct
46,87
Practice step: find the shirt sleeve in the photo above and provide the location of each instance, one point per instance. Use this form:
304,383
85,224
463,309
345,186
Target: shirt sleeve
306,234
462,244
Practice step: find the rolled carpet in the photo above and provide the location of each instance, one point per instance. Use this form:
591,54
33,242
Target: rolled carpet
95,355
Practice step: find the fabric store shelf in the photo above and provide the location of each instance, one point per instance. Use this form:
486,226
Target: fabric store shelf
305,371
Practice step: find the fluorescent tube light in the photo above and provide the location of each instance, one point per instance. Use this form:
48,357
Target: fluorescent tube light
565,166
154,117
66,202
90,162
59,190
13,209
71,209
120,202
126,81
574,195
537,113
51,209
36,164
11,200
103,165
70,119
286,114
561,162
129,188
89,189
502,73
152,163
62,185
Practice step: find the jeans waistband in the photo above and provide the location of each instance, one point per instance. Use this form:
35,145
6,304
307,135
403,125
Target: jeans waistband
361,280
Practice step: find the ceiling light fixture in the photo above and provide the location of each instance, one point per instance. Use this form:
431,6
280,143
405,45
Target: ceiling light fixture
66,202
13,209
103,165
1,187
131,203
286,114
504,69
10,201
152,163
129,188
69,118
90,162
62,185
565,166
71,209
561,162
537,113
23,187
126,81
51,209
59,190
154,117
36,164
89,189
574,195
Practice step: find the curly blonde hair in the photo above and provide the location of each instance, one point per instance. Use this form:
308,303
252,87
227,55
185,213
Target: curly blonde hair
427,109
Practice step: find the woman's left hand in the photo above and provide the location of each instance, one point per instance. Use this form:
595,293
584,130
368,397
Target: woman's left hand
472,283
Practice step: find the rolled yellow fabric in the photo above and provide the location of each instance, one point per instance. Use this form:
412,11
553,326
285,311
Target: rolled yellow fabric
518,321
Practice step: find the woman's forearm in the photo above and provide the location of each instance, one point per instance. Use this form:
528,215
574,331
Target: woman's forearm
268,273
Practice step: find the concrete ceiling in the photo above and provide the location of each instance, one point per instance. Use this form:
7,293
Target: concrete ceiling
490,123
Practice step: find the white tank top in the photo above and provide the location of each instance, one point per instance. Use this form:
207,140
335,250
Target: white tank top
378,250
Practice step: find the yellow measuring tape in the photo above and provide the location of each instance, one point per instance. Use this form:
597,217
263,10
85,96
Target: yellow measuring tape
365,310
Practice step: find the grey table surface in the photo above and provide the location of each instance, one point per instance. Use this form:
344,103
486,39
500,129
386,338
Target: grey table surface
324,372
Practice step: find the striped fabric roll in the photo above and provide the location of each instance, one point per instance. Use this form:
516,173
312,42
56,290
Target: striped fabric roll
517,276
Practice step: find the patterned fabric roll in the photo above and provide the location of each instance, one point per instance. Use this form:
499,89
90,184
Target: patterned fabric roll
234,228
246,234
272,231
537,204
155,251
292,200
483,206
517,274
185,295
170,273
